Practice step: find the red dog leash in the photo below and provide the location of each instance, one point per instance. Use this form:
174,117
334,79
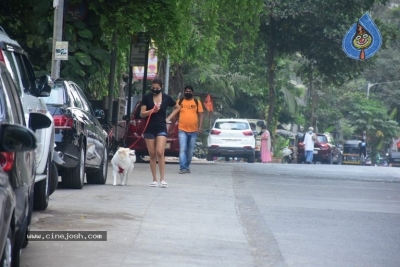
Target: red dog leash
145,127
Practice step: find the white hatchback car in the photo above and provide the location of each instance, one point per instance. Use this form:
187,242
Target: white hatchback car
231,138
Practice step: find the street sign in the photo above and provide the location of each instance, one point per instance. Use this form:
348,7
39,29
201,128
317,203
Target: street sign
138,49
61,52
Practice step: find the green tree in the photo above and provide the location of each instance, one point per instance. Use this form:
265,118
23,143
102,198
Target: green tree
314,29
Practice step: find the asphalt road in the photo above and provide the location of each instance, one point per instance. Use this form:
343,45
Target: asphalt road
229,214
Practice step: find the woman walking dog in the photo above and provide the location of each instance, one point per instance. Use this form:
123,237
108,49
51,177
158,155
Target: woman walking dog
154,105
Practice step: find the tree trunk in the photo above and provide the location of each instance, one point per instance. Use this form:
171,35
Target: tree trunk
271,84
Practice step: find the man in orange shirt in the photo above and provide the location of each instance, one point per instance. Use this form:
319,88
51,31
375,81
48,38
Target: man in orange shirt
190,124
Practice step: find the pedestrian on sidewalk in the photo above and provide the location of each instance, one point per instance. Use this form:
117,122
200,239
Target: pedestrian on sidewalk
190,124
265,149
309,140
154,105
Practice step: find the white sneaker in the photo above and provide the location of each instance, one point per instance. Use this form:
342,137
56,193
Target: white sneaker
154,184
164,184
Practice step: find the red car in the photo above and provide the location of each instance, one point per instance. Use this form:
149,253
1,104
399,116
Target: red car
322,150
134,136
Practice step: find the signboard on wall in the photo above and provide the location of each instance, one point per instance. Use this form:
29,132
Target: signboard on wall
138,70
61,51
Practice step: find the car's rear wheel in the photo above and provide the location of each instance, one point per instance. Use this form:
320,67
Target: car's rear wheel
75,178
6,258
330,160
209,157
41,192
100,176
140,158
250,159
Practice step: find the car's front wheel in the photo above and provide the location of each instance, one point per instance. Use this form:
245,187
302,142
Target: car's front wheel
100,176
6,257
53,178
75,178
41,192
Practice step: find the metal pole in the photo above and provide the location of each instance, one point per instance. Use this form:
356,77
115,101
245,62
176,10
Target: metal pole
146,65
57,36
128,106
166,75
112,78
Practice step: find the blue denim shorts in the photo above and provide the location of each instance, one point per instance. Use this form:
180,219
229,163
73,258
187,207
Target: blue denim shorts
153,136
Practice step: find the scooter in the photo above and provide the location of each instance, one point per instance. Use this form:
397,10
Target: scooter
287,155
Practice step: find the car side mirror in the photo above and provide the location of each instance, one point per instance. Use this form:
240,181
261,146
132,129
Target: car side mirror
16,138
44,85
38,121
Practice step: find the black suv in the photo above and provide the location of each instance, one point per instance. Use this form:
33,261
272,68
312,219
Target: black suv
80,139
17,161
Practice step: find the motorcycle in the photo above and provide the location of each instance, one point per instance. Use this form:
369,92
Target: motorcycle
287,155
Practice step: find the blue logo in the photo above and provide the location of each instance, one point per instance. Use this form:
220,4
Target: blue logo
363,40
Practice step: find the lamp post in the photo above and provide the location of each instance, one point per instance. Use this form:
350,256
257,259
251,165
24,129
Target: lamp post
372,84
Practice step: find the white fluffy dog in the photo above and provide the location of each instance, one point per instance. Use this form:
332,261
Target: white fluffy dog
123,164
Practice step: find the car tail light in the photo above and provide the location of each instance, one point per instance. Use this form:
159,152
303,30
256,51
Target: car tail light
248,133
247,146
214,146
216,132
63,122
2,57
324,146
7,160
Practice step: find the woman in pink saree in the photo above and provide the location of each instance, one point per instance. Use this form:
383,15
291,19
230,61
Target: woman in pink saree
265,145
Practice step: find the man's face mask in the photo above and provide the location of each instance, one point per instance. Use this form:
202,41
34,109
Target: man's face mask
188,95
310,131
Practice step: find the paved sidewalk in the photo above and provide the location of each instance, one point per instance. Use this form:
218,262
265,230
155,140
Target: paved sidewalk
193,222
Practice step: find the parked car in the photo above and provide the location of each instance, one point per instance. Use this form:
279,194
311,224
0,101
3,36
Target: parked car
17,174
80,140
322,150
30,92
135,140
231,138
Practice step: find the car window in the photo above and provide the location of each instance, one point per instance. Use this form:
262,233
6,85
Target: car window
2,104
232,125
84,101
26,76
9,102
11,63
19,115
57,95
322,139
76,100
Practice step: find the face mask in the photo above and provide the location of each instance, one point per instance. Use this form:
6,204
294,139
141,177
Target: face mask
156,91
188,95
310,132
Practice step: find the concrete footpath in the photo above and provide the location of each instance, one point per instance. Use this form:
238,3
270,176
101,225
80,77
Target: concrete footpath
193,222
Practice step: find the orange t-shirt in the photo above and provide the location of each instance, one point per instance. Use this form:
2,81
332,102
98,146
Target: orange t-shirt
188,117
